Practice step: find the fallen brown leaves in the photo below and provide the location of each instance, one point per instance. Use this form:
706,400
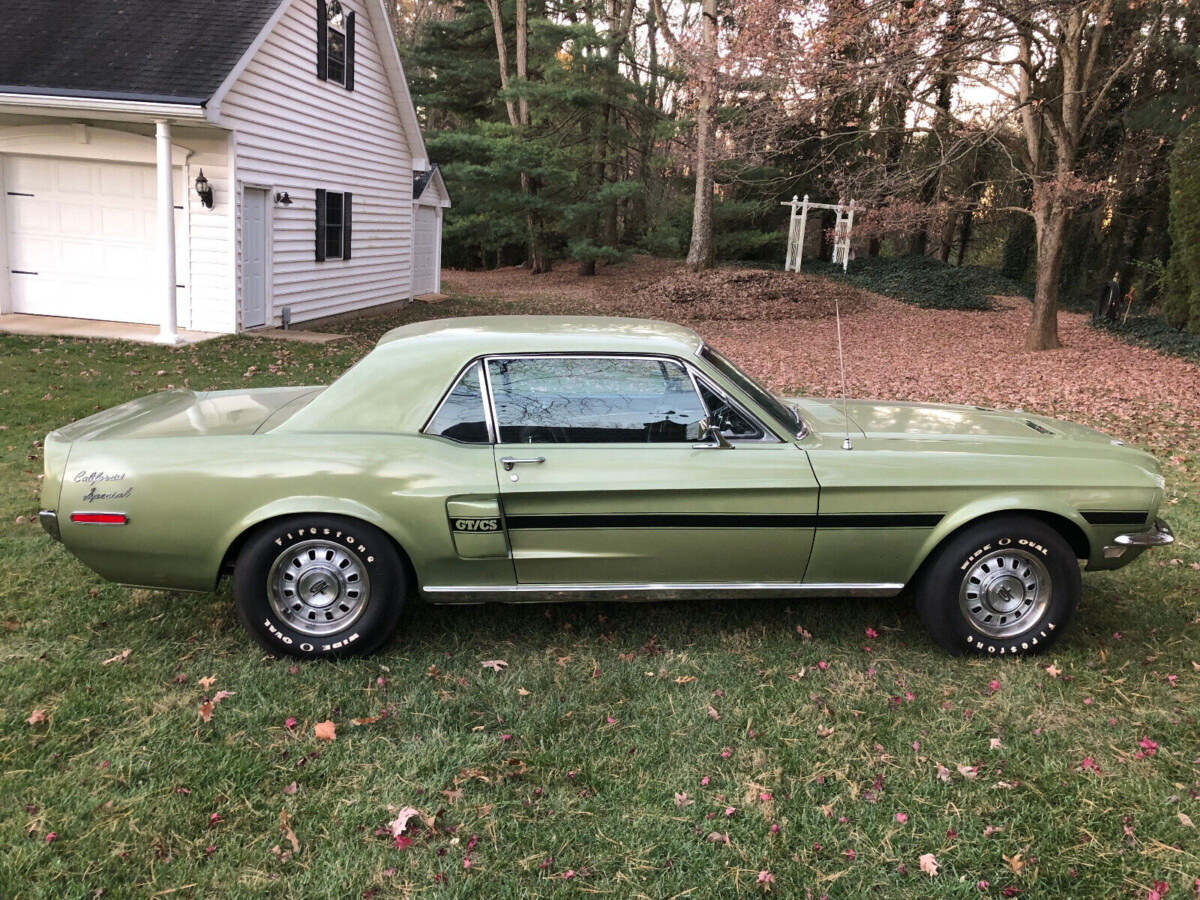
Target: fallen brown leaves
780,327
325,731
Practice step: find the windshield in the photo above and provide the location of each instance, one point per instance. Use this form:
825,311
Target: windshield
785,416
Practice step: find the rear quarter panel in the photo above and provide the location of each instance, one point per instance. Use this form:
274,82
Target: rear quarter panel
188,499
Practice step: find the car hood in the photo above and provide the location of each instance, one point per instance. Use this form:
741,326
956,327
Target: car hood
932,421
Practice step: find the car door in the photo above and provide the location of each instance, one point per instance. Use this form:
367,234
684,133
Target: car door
604,478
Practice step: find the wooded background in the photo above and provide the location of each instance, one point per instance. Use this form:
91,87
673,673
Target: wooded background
1053,141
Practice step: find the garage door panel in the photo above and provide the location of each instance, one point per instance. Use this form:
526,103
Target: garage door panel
33,255
88,230
119,181
75,177
30,218
424,250
76,219
123,225
27,174
83,258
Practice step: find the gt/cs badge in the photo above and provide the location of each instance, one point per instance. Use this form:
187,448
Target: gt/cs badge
467,525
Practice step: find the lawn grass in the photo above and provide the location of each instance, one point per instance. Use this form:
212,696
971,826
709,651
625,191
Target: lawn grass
570,759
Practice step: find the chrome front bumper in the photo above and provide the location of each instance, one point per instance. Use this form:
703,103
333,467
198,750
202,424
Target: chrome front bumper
49,520
1158,535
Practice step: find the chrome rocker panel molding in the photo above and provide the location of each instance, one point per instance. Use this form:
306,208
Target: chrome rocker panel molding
541,593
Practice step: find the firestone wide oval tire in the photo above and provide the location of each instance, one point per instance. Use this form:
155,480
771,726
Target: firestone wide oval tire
320,587
1007,586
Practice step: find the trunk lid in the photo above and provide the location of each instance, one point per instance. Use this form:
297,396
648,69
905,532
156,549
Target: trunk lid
182,413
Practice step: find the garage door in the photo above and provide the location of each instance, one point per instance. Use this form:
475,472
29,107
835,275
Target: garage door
82,238
425,239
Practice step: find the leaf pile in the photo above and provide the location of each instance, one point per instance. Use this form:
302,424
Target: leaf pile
738,295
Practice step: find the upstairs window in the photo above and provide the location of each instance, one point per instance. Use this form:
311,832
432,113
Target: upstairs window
333,230
335,43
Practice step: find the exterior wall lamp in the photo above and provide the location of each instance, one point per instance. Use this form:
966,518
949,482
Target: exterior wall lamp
204,190
282,198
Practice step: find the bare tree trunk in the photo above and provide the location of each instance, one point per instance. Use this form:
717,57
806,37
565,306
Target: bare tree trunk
522,57
964,235
1051,224
518,117
701,253
946,243
502,58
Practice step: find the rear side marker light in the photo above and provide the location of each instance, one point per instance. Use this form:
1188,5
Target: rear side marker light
98,518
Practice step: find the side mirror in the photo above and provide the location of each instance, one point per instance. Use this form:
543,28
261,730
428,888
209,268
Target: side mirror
711,437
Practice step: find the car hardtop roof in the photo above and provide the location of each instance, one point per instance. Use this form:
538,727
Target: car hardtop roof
547,334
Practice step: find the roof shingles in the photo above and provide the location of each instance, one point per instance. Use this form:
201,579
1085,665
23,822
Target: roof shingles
175,51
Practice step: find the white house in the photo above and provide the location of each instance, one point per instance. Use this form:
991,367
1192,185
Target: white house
210,165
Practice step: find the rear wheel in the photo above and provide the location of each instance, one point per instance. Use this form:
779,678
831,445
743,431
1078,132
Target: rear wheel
1005,586
319,587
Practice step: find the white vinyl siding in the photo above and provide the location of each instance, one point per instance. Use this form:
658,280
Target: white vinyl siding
297,133
210,234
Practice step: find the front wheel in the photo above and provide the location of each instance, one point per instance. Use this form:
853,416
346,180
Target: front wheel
1005,586
319,587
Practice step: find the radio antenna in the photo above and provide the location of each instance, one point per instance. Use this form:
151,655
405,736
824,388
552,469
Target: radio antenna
846,445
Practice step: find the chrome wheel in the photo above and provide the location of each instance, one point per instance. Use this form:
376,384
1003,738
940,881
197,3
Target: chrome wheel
318,588
1005,592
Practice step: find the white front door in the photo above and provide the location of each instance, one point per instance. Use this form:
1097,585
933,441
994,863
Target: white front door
82,239
425,240
254,258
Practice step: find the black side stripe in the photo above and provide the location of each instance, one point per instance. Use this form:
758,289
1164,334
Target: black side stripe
1130,517
720,520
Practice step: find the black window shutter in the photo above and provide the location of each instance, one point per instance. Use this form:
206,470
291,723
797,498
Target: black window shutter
320,225
346,198
350,51
322,41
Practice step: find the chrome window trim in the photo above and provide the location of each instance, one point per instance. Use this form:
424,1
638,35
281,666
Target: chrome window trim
769,435
487,411
804,430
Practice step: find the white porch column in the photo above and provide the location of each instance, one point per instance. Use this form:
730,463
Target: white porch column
168,333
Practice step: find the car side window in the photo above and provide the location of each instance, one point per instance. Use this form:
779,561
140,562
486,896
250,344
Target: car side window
462,417
592,400
733,423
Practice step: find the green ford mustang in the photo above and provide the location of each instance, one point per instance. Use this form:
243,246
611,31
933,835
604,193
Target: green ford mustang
531,459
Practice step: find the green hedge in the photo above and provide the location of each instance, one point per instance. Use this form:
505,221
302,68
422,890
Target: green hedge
1181,300
926,281
1152,331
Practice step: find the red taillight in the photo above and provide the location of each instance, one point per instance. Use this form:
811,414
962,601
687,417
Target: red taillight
85,518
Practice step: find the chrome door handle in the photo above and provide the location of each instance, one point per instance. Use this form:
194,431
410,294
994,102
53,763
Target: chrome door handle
509,461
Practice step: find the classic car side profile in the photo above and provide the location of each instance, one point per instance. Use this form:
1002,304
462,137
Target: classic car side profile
523,458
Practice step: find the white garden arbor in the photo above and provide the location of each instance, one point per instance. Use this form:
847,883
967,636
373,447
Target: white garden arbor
841,240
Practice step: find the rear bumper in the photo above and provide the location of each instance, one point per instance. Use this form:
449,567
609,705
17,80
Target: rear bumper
1158,535
49,520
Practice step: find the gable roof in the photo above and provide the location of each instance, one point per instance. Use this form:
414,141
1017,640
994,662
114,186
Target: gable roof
429,187
179,51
